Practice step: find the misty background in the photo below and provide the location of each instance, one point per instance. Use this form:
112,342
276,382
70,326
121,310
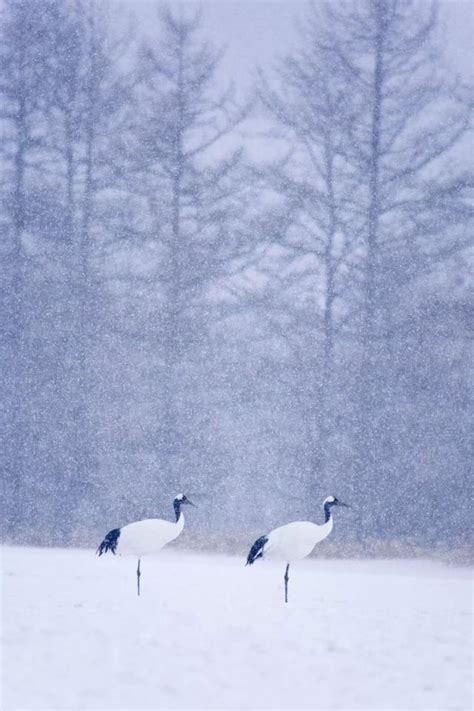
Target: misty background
240,274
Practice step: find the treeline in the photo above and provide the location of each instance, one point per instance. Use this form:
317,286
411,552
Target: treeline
182,314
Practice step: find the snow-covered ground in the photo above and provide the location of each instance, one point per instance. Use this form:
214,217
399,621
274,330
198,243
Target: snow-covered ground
208,633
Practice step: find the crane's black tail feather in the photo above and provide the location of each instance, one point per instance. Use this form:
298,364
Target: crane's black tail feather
257,550
110,542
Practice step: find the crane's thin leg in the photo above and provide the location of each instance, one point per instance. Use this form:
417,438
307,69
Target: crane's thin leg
286,578
138,577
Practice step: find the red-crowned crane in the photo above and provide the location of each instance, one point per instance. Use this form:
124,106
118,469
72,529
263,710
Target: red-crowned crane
145,537
295,540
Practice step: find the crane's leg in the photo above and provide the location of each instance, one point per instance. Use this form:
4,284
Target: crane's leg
286,578
138,577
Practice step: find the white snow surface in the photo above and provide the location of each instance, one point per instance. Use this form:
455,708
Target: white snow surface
209,633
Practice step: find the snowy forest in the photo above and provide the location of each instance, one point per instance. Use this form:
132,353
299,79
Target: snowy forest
258,295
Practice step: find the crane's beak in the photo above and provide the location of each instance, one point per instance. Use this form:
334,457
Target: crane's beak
189,502
341,503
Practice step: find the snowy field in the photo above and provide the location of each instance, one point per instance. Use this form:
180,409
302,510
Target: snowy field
208,633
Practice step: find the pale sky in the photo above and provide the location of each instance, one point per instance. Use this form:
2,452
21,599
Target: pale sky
256,32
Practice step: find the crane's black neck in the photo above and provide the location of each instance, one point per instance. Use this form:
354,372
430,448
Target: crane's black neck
177,508
327,511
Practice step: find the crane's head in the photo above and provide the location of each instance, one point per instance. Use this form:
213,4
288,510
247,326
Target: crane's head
180,499
334,501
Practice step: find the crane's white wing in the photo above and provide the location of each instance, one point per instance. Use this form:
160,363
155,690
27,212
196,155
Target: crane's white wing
295,540
148,536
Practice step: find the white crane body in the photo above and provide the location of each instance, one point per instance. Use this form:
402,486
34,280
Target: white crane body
293,541
296,540
148,536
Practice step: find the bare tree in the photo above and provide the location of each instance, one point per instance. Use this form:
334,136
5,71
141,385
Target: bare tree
22,53
373,118
64,95
182,165
320,234
88,93
405,118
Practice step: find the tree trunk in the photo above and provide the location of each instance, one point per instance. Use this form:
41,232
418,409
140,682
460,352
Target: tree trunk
16,444
369,390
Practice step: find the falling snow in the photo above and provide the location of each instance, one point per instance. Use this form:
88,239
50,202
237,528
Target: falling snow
236,254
